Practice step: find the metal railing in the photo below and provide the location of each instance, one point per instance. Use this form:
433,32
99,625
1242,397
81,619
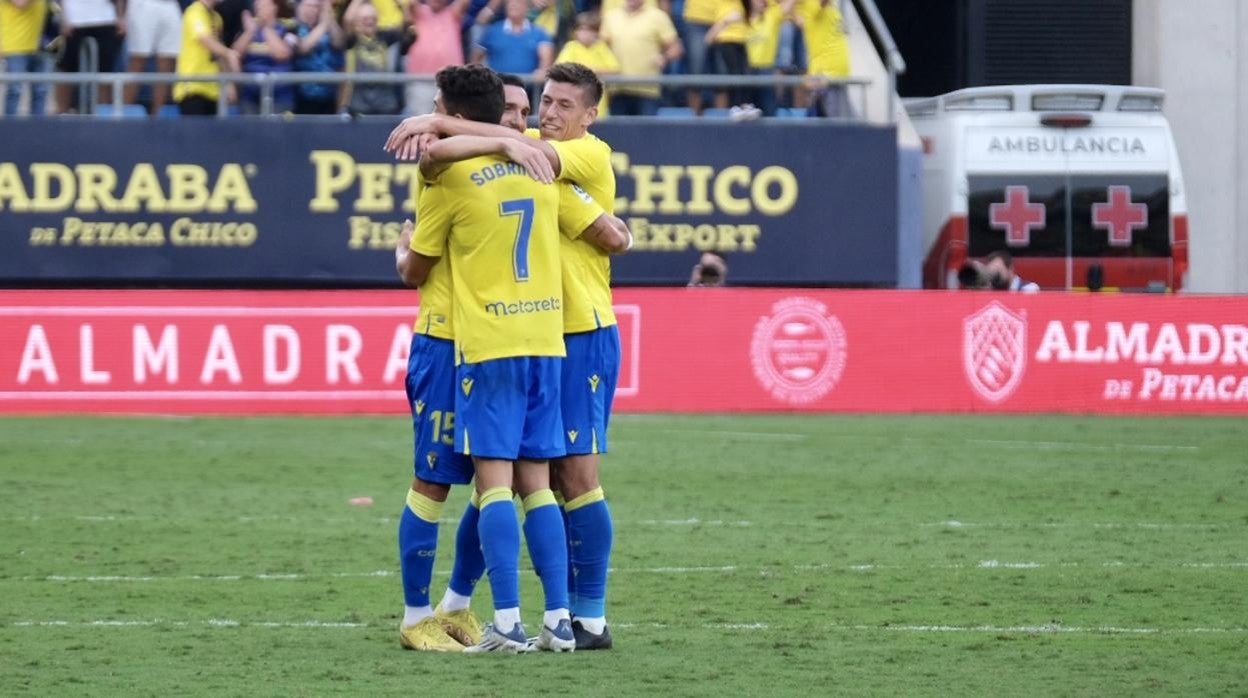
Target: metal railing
892,57
267,82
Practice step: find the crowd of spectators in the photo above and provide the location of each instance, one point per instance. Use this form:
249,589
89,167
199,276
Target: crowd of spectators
632,38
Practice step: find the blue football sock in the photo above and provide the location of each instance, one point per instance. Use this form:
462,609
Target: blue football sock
567,534
418,541
548,547
500,544
590,533
469,562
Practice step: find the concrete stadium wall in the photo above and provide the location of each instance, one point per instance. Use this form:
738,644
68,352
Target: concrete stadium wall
1198,53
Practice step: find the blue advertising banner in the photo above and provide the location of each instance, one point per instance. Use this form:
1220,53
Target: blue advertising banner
206,202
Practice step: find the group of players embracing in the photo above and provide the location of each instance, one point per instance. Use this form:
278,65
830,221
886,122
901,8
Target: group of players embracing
514,356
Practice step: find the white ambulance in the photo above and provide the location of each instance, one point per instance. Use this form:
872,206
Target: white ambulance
1079,183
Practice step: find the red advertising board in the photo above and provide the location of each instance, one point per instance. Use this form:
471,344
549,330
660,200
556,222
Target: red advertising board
685,350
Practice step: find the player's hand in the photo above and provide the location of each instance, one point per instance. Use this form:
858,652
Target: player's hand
404,244
423,142
532,158
400,140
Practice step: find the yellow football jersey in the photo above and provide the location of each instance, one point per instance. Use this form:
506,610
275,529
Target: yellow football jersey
586,161
434,316
500,231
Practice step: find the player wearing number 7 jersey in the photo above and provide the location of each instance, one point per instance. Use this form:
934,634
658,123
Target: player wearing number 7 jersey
499,230
431,389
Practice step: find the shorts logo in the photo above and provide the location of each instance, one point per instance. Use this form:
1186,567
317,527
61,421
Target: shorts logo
593,383
572,435
419,405
798,352
994,356
466,384
432,459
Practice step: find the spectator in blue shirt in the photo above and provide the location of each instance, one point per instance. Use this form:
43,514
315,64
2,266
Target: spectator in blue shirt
266,47
515,45
319,51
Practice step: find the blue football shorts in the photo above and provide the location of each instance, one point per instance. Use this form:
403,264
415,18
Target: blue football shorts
431,396
509,408
590,373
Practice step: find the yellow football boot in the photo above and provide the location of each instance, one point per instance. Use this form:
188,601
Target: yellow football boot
461,625
428,636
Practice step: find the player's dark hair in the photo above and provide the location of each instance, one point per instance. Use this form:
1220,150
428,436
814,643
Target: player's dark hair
579,75
472,91
510,80
1006,258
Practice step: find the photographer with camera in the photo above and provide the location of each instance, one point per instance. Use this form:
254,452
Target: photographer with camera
711,270
996,272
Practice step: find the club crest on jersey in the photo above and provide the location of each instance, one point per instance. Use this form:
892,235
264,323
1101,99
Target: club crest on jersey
994,357
432,459
419,406
594,380
572,435
466,385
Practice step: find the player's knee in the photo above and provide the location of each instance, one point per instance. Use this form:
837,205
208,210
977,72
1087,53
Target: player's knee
436,491
576,475
531,477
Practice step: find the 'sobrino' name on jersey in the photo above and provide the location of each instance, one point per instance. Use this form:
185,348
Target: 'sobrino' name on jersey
499,229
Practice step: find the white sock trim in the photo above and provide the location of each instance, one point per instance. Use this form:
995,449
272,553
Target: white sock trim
414,614
593,625
452,601
551,618
506,618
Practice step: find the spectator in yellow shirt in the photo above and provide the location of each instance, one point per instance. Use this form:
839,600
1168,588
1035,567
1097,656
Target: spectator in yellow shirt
762,46
726,46
699,15
827,51
590,51
21,27
644,40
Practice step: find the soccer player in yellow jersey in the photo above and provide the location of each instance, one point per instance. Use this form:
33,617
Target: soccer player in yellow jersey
568,107
498,229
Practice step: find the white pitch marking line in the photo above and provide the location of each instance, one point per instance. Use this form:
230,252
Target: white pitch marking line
385,520
689,522
1083,446
1048,629
1041,629
752,435
1043,524
707,569
211,622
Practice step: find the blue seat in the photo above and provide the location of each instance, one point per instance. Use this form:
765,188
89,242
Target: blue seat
169,111
675,112
715,113
128,111
791,113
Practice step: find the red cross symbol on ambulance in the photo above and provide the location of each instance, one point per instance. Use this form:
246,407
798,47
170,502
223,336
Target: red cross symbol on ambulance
1016,216
1119,216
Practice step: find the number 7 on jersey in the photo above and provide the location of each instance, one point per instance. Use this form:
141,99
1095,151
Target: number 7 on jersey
523,208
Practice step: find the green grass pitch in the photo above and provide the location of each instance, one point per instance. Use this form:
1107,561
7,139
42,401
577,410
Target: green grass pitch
778,555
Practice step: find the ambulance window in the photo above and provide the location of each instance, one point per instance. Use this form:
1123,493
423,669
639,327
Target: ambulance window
1025,214
1120,215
